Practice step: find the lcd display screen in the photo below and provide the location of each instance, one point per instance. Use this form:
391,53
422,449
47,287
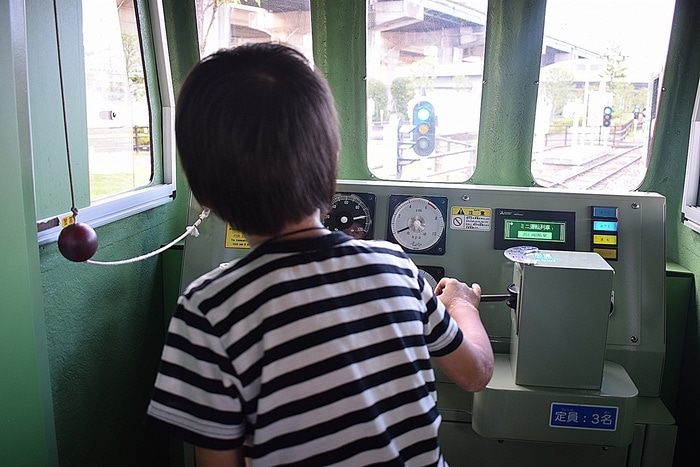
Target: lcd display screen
537,231
554,230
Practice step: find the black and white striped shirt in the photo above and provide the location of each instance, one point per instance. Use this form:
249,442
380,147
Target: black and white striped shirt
310,352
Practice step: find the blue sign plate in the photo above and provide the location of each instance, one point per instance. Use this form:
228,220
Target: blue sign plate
583,417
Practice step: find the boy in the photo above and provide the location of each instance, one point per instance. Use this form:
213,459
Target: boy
315,348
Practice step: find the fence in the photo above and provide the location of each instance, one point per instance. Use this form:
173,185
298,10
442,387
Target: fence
564,136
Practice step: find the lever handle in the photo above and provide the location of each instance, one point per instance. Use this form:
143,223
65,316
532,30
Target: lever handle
496,297
510,298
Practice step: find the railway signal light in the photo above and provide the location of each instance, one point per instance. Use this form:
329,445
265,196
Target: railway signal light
607,115
424,121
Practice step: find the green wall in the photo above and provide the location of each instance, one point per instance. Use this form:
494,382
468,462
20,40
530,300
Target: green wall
105,324
27,436
667,169
79,344
339,52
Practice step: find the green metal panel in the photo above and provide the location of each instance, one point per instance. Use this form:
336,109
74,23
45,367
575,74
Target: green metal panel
152,86
680,82
514,33
27,436
181,28
52,186
339,31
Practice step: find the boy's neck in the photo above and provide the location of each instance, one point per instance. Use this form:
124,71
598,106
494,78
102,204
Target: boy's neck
310,226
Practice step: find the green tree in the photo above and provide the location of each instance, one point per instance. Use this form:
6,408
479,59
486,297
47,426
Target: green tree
614,68
557,84
423,72
134,68
379,92
626,98
402,91
462,83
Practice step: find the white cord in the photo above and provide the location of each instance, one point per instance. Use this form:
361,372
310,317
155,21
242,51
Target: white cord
190,230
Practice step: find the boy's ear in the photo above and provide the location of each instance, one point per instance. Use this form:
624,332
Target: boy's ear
203,203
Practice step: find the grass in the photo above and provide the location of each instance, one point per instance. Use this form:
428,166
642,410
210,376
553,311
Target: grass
103,185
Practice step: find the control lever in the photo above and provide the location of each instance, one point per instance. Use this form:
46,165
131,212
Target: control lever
499,297
511,298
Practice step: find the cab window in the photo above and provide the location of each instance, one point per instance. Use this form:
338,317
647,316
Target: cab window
224,24
110,153
600,81
118,117
425,63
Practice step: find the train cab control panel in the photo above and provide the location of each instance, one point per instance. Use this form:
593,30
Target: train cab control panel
462,231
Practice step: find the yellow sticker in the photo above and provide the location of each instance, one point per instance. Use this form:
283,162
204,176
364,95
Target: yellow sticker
68,220
469,218
235,238
604,239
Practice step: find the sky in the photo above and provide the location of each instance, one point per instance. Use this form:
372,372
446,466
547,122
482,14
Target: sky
640,28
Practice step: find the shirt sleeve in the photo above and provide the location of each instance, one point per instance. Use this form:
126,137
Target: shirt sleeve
442,333
195,397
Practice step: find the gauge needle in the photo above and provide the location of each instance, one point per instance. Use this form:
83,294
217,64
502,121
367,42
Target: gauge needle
359,217
402,230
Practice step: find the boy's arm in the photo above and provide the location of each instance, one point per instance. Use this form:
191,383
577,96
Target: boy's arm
212,458
470,366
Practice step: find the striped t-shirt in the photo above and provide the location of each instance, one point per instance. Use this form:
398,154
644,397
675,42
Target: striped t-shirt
309,352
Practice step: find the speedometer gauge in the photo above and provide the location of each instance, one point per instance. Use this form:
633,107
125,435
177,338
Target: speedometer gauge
352,213
418,223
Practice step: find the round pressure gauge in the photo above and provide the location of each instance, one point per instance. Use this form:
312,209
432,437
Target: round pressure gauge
417,224
429,278
432,274
351,214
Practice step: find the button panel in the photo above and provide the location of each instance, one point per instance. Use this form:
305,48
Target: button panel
604,231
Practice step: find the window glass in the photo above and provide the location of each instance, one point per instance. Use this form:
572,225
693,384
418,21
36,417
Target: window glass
424,77
223,24
115,70
118,119
600,81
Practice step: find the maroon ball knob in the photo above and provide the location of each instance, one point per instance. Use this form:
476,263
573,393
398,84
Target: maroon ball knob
77,242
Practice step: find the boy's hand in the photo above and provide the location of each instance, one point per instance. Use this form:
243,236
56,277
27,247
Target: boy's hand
452,292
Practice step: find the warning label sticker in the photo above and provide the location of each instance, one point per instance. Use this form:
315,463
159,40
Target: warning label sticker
465,218
235,239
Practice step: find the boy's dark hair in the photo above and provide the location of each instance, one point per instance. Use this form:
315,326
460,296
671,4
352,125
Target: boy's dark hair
258,138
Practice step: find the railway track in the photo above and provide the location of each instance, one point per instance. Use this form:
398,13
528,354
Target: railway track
622,170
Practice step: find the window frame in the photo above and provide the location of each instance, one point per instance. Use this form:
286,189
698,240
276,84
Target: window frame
690,210
126,204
